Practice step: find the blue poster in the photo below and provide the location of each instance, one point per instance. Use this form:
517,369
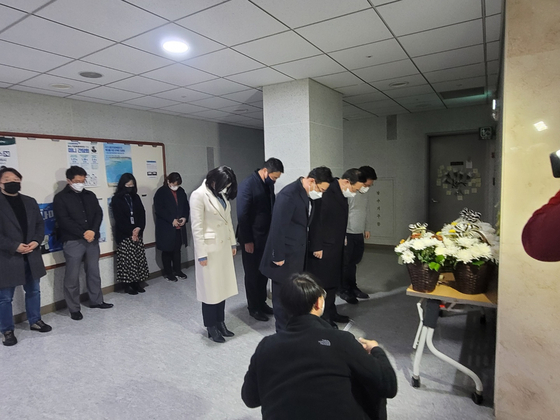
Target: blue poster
118,160
50,241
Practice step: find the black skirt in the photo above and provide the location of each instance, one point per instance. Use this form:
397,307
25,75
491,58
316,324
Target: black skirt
132,265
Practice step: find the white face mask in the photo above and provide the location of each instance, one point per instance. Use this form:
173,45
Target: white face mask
315,195
348,194
364,190
174,187
77,186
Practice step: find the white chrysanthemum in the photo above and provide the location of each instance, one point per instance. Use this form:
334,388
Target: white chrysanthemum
466,242
481,251
420,243
407,257
441,250
464,256
402,247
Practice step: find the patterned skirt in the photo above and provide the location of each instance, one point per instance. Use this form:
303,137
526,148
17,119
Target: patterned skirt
132,265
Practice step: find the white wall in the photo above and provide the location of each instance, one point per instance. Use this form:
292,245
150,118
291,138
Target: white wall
185,142
405,160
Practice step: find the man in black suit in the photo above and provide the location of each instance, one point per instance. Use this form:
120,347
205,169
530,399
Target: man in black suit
312,371
255,200
327,233
284,253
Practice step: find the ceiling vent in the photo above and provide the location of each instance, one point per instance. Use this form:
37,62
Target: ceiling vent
462,93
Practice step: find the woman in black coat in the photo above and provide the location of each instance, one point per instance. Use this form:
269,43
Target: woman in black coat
172,213
130,221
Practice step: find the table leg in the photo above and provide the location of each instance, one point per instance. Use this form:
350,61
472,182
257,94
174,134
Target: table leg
418,358
421,316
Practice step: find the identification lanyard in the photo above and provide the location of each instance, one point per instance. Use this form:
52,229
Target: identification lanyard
130,206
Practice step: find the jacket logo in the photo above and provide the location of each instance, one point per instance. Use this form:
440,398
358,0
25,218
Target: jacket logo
325,342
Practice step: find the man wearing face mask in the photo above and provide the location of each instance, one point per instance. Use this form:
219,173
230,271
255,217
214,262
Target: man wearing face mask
327,233
21,232
284,252
78,217
255,200
311,371
357,230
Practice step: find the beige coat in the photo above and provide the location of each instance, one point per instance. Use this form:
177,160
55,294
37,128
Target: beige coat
213,237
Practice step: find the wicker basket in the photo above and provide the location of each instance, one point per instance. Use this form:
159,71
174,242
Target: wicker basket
422,278
471,279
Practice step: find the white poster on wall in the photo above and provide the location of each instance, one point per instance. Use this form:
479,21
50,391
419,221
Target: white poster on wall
86,155
151,168
8,152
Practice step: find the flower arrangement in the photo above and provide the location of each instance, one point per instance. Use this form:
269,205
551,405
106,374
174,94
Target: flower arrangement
422,246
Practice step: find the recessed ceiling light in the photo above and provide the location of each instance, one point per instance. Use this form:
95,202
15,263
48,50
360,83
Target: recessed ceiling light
90,74
61,86
398,84
175,46
540,126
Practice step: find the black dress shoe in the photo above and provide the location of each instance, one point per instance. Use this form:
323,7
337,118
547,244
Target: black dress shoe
359,294
181,275
267,310
76,316
102,305
258,315
9,339
215,335
348,297
171,278
40,326
223,330
341,318
139,288
130,289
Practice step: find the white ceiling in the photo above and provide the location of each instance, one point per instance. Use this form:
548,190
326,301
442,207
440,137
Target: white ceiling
357,47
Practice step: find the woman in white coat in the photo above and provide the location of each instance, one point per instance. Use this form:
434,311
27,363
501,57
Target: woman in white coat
214,247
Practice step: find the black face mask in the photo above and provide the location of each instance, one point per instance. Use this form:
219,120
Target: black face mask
128,190
12,187
269,182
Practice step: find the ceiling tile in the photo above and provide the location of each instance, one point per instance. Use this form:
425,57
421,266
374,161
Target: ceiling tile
210,113
111,19
233,22
121,57
110,94
460,84
28,58
338,80
456,73
260,77
370,54
184,108
259,104
427,98
39,91
414,80
182,95
141,84
9,16
393,110
346,31
493,51
442,39
215,103
365,98
245,109
493,28
258,115
151,102
4,85
375,105
224,63
493,6
279,48
295,13
460,102
493,66
245,96
319,65
387,71
44,81
403,92
165,111
153,41
52,37
11,75
218,87
129,105
72,70
174,9
179,75
88,99
27,5
449,59
358,89
409,16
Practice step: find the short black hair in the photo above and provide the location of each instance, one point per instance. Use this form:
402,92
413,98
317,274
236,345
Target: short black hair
73,171
367,172
353,175
300,293
218,178
274,165
123,180
174,177
321,174
5,169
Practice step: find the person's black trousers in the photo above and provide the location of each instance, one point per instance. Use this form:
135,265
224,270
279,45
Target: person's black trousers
330,307
212,314
280,314
255,281
353,253
168,257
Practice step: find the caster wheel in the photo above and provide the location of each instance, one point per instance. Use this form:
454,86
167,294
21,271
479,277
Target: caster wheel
483,320
416,382
477,398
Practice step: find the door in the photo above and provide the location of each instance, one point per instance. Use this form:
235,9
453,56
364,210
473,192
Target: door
458,178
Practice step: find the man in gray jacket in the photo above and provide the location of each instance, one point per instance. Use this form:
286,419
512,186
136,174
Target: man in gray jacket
21,232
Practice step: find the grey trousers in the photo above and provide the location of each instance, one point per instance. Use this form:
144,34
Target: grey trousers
74,253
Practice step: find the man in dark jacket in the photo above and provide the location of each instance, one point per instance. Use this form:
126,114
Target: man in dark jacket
255,200
312,371
284,253
21,232
327,234
78,216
